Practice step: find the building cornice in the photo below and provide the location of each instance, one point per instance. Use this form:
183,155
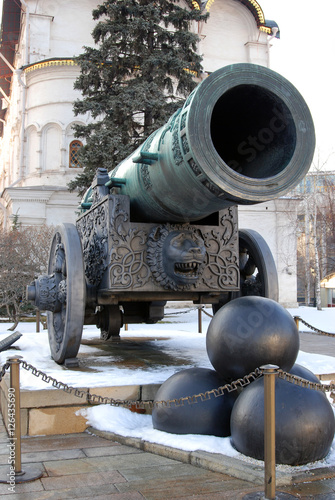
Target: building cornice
22,195
47,63
41,194
252,5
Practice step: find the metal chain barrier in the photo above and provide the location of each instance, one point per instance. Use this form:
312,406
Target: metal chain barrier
202,309
175,313
46,378
205,312
94,398
317,330
205,396
302,382
3,370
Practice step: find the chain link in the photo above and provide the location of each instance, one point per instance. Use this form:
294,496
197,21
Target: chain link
55,383
202,309
95,398
175,313
233,386
302,382
3,370
203,396
321,332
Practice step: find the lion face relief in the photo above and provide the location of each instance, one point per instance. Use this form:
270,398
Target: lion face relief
176,256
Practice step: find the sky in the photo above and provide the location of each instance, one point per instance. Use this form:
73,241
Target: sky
305,56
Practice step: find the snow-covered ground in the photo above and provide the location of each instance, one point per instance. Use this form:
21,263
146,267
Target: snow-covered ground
176,335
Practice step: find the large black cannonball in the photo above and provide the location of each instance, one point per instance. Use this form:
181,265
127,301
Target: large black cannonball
304,421
301,371
249,332
205,417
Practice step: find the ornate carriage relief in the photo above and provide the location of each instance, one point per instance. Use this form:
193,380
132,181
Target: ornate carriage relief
119,216
222,268
96,196
228,222
127,267
93,230
99,189
176,256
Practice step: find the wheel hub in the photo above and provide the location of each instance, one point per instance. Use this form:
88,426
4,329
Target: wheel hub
47,292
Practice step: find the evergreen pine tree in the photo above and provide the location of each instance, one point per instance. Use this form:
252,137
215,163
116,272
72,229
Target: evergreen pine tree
140,71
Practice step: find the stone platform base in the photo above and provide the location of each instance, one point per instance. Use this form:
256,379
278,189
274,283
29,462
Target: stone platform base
53,411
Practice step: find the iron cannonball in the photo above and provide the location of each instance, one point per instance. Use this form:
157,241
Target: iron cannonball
304,423
301,371
249,332
211,417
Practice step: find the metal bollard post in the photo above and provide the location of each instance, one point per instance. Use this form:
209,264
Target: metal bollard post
16,474
270,373
296,319
15,385
38,319
199,320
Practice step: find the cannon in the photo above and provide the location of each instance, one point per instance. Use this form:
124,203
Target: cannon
162,226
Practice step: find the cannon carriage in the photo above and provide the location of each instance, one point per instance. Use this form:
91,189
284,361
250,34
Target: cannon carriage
163,225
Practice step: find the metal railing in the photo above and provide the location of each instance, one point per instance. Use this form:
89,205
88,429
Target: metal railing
316,330
270,372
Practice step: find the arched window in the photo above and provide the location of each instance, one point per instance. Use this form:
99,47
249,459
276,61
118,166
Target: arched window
73,154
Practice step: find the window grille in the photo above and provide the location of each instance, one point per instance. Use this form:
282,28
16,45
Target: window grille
73,154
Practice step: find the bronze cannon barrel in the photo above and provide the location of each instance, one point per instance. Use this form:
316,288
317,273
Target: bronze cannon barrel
244,136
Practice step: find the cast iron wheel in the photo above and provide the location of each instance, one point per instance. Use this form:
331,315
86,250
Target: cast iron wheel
257,269
257,266
110,322
65,324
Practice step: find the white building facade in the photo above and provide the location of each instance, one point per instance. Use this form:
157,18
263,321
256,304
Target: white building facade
37,74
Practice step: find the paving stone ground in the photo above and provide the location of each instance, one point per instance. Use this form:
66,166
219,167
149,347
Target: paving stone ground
84,466
317,344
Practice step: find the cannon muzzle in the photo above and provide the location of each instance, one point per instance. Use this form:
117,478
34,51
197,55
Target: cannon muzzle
244,136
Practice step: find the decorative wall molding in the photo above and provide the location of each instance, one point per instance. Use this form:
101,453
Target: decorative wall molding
49,63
